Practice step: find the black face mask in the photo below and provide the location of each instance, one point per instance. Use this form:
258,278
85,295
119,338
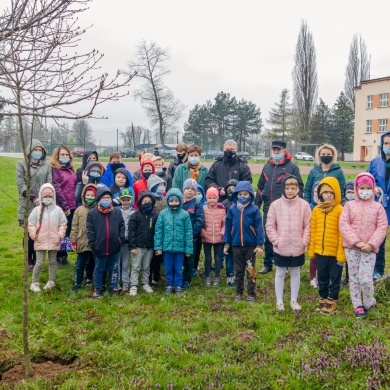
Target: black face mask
174,208
147,207
147,174
180,156
326,159
115,166
229,154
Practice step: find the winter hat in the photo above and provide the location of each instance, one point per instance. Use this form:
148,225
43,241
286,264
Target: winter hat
325,187
279,144
350,186
190,183
90,188
154,181
47,191
173,197
212,192
125,193
95,167
365,179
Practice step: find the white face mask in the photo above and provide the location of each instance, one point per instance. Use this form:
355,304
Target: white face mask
365,194
47,201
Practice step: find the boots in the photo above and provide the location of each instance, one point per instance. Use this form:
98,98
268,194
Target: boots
330,306
321,305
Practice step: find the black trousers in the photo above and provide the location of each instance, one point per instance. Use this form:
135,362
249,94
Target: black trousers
240,256
329,277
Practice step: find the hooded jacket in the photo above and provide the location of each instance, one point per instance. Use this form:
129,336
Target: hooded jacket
173,229
325,236
363,220
160,200
214,224
84,163
53,224
224,170
116,191
288,225
269,186
164,175
195,210
244,227
202,197
92,180
142,225
313,203
377,168
182,173
105,232
40,174
228,201
142,184
108,177
78,234
317,174
64,182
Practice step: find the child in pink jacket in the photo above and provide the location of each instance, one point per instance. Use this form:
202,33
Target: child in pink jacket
212,234
47,227
363,225
288,229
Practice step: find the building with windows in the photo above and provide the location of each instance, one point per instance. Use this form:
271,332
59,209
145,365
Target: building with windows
372,117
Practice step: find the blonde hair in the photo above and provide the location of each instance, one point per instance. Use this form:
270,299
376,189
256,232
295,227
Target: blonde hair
40,221
326,146
158,158
54,160
291,181
147,156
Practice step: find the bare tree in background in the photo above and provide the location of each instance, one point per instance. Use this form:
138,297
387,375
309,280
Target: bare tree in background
43,76
157,99
82,132
132,136
305,80
358,68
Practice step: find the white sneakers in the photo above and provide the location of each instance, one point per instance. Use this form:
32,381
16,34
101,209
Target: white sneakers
314,283
49,285
133,291
295,306
280,306
35,287
147,288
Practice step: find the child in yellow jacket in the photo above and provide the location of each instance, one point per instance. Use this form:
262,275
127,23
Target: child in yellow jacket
326,244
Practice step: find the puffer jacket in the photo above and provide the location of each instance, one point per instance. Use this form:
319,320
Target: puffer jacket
40,174
53,224
142,184
173,229
288,225
363,220
325,236
214,224
244,227
64,182
78,234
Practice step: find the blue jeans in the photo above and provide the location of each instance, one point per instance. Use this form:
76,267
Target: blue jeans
173,265
105,264
228,261
208,258
82,260
380,259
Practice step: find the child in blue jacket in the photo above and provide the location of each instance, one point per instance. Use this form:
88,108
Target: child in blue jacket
244,231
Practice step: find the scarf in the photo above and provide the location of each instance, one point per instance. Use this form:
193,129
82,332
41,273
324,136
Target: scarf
105,210
326,207
194,170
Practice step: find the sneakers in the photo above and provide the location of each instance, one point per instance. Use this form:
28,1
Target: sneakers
377,276
147,288
280,306
30,267
372,306
49,285
133,291
238,298
295,306
178,290
230,282
35,287
314,283
88,283
75,287
216,282
330,307
96,294
154,282
321,305
345,282
265,270
168,290
185,286
360,312
207,281
251,299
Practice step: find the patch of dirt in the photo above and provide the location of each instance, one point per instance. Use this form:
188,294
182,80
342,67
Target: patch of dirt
247,336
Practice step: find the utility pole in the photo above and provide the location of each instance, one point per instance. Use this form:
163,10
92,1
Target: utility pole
117,144
177,137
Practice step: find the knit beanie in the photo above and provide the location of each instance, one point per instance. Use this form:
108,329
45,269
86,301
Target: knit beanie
190,183
154,181
173,197
212,192
90,188
350,186
365,179
47,191
325,187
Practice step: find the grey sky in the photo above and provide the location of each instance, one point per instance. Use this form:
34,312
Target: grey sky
242,47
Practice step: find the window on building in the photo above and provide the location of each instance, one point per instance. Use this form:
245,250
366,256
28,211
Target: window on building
369,126
382,125
369,101
383,100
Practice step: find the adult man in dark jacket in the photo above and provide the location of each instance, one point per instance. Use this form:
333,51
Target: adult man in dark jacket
228,167
269,188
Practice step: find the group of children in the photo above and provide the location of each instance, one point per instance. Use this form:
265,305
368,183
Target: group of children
119,234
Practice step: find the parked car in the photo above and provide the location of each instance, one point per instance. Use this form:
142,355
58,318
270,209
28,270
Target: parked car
127,152
78,152
304,156
244,156
213,154
167,154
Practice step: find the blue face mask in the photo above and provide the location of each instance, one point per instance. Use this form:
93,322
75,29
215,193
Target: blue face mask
386,150
277,157
64,160
193,160
243,199
95,175
350,196
36,155
105,203
159,170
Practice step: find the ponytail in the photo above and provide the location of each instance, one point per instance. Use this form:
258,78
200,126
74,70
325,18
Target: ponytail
40,221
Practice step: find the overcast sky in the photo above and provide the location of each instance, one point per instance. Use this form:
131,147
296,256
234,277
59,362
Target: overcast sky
242,47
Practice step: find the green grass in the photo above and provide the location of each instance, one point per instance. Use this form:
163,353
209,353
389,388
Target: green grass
187,342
